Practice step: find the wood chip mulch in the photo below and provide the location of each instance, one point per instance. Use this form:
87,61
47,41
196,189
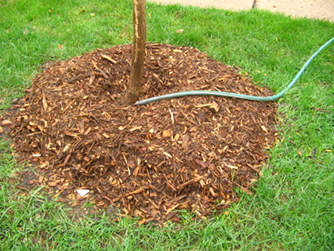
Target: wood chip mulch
148,161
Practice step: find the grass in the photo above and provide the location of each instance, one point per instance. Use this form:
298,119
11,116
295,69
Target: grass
292,208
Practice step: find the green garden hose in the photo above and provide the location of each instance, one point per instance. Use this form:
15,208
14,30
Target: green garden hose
236,95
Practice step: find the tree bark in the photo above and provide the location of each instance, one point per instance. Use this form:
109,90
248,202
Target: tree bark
138,52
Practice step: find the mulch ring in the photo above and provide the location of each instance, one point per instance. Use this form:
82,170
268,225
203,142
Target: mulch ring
149,161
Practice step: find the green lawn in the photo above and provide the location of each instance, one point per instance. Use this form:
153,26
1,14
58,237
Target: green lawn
292,208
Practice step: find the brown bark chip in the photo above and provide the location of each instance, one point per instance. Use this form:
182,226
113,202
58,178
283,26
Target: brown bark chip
148,161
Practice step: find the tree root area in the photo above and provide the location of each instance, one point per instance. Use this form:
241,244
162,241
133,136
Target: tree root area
149,161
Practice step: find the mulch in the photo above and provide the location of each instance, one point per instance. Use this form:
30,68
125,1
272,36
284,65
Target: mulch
149,161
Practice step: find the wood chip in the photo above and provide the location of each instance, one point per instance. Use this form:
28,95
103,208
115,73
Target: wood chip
7,123
109,59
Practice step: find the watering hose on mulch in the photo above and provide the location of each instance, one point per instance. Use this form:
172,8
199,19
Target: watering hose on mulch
236,95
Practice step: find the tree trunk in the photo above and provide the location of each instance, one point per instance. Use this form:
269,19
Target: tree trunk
138,52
